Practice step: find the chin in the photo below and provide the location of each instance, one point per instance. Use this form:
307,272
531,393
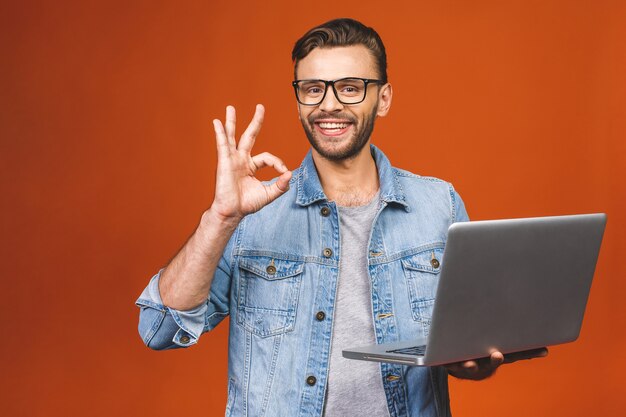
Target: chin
338,149
343,152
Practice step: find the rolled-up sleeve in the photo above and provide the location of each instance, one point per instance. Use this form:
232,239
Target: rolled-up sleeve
162,327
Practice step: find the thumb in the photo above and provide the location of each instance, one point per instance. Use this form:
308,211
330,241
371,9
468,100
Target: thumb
278,187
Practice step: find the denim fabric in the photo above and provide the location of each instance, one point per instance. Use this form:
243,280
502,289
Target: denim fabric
280,269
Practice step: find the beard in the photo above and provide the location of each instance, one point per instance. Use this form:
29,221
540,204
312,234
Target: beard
360,136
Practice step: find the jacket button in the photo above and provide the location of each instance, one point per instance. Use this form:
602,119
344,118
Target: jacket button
311,380
271,269
435,263
325,211
320,316
328,252
184,339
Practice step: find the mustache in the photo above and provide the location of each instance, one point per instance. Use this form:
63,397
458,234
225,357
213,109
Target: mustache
312,118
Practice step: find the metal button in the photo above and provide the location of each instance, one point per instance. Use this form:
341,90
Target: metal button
271,269
311,380
435,263
328,252
320,316
185,339
325,211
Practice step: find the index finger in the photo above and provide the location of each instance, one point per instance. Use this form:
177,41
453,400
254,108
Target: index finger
247,139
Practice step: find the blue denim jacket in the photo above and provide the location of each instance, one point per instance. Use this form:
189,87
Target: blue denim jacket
280,269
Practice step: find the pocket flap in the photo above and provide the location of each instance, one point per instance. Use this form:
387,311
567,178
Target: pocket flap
271,268
426,261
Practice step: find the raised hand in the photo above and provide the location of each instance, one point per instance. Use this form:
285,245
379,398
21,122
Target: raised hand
185,282
237,191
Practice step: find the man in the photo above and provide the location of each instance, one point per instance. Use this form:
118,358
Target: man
346,250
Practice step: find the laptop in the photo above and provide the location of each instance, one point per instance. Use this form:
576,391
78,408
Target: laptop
507,285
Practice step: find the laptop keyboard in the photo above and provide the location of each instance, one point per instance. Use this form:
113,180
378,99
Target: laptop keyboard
413,350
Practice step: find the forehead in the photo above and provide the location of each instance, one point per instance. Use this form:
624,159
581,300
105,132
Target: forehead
337,62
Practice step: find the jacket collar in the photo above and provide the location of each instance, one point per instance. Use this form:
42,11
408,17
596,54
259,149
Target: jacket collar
309,188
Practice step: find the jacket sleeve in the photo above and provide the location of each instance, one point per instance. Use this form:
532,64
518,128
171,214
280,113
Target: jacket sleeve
162,327
458,208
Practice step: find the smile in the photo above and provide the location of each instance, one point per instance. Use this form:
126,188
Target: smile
332,128
333,125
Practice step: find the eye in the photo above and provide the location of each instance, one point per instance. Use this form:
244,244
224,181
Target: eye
310,88
350,88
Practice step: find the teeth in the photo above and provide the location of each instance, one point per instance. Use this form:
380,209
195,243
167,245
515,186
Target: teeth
333,125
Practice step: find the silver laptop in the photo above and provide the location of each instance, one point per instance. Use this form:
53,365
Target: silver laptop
506,285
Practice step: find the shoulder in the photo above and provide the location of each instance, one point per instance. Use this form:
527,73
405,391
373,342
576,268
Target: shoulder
431,193
410,181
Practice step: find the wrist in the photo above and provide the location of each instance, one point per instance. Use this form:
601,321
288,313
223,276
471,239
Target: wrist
212,217
214,228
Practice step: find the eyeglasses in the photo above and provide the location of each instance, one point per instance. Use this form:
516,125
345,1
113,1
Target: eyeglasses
347,90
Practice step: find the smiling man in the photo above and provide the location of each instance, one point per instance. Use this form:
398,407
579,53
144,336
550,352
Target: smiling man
343,251
340,92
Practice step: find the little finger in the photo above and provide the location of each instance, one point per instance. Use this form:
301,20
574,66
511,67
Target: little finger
223,148
231,121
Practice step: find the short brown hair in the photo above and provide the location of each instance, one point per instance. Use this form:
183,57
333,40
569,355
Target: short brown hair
342,32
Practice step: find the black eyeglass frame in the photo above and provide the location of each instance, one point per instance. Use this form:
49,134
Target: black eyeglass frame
366,81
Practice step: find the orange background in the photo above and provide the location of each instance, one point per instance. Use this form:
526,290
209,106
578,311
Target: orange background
107,158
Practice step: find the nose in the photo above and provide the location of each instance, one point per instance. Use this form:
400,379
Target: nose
330,103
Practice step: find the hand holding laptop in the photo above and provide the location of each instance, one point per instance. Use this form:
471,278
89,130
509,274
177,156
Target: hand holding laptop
479,369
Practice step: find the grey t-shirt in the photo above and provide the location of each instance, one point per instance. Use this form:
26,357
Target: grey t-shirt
355,388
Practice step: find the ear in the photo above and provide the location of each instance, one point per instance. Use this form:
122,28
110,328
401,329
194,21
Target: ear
384,100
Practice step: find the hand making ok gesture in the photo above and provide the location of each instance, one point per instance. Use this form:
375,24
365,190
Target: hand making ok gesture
237,191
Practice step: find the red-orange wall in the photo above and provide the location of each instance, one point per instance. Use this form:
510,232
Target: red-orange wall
107,159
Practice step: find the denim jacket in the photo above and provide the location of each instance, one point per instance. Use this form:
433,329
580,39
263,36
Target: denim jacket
277,279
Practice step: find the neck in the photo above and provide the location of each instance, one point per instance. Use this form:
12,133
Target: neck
350,182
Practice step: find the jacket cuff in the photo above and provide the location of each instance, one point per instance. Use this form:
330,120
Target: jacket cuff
190,323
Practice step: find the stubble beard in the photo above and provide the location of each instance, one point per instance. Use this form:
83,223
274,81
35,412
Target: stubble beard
359,138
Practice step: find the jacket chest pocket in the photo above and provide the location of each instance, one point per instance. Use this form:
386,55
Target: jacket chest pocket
421,272
268,294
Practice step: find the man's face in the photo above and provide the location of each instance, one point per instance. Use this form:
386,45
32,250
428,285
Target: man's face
338,131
